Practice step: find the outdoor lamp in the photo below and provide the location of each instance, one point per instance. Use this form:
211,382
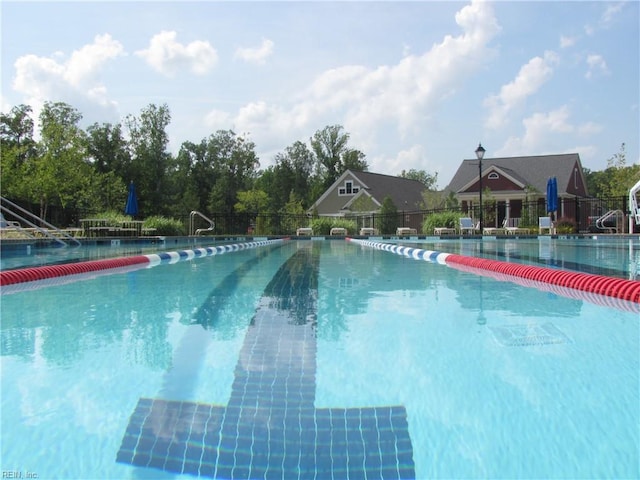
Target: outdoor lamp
480,153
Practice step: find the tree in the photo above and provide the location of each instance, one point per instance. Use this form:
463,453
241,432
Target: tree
329,146
60,173
235,164
291,174
354,160
18,146
617,178
388,216
151,162
427,179
108,150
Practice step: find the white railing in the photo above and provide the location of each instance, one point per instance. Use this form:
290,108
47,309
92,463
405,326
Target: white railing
618,215
634,210
192,224
51,232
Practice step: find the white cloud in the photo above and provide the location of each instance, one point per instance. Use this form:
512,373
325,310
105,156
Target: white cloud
546,133
566,42
403,92
597,65
368,100
75,79
169,57
607,18
531,77
257,55
217,120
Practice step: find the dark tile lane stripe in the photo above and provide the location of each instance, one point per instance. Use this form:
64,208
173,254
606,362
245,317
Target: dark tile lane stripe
270,427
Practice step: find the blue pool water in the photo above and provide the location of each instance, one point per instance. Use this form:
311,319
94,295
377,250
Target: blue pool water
323,359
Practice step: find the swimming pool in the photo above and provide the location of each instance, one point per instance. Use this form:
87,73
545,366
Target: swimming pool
321,359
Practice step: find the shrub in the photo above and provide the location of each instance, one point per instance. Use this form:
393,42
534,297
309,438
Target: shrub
566,225
323,225
113,218
164,226
440,219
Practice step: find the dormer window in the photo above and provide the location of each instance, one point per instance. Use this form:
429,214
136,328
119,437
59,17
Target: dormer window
348,188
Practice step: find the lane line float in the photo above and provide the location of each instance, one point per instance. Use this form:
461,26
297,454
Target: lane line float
34,274
628,290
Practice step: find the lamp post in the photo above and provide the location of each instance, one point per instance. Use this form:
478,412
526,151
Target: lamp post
479,154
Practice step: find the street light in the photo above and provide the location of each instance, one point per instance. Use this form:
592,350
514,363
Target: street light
480,153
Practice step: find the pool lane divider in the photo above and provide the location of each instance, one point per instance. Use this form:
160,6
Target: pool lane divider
33,274
628,290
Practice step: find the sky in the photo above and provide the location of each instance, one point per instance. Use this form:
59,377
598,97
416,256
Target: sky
415,85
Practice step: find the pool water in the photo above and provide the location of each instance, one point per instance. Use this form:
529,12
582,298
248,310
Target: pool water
319,359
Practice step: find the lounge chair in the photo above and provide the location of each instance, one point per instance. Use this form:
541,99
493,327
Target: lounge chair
444,231
514,230
402,231
466,225
545,223
7,223
304,231
494,230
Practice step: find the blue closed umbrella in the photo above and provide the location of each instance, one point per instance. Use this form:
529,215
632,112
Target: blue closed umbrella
552,195
132,202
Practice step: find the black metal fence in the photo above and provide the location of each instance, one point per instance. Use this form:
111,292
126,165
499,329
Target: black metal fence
582,213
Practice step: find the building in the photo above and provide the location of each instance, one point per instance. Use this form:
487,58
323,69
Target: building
517,181
363,193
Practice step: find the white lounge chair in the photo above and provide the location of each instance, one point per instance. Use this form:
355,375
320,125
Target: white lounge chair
545,223
514,229
7,223
402,231
444,231
466,225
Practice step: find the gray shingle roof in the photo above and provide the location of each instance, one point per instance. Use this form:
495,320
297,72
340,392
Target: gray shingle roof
531,170
405,193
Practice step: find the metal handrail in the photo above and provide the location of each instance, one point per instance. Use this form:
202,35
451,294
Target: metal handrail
193,232
619,216
633,206
45,232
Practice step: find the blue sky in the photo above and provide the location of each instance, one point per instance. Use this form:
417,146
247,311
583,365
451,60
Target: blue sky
415,84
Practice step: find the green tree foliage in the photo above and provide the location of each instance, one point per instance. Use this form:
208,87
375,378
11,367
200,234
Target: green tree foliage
151,162
333,156
616,179
388,216
449,219
59,171
292,174
108,150
427,179
17,147
235,164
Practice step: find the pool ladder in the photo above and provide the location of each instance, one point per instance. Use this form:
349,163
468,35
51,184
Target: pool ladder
192,228
617,215
48,231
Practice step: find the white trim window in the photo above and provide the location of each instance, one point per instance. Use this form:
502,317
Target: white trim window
348,188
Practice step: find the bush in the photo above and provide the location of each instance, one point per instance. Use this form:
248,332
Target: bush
113,218
441,219
566,225
164,226
323,225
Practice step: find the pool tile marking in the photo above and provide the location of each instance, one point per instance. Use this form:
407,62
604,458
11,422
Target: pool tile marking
270,428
